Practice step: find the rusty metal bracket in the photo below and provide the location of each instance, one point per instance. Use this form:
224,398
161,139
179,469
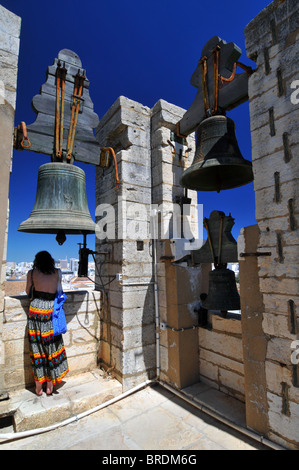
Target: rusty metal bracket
257,253
20,138
167,258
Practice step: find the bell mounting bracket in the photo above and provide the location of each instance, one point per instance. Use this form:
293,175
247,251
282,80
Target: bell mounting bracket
220,88
65,122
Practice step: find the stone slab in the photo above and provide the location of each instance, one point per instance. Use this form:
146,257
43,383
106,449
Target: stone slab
151,419
75,395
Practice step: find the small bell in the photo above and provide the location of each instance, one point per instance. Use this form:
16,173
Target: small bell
223,294
218,163
220,249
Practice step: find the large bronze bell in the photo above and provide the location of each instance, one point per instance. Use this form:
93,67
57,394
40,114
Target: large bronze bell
61,204
218,163
223,294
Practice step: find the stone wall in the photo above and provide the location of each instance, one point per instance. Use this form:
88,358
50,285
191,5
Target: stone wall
9,53
272,41
221,355
83,311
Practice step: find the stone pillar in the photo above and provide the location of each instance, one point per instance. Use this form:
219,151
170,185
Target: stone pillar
254,339
179,286
150,166
128,340
272,41
9,52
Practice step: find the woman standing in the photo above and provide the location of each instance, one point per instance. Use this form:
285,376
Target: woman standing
47,352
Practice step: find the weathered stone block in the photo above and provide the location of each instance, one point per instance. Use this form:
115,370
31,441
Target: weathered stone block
9,43
276,374
275,268
230,347
265,145
281,424
279,350
165,115
268,237
266,208
227,325
221,361
208,370
279,286
264,169
139,359
9,23
276,325
278,304
232,381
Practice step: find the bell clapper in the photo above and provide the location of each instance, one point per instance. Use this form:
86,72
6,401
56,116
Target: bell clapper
60,237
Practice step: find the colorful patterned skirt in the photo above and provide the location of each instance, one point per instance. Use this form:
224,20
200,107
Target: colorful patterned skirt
47,353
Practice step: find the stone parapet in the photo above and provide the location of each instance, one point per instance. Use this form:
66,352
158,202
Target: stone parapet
83,314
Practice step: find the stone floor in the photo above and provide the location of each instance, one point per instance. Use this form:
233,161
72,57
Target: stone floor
152,418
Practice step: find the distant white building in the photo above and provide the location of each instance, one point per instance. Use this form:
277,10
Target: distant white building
234,267
74,264
63,264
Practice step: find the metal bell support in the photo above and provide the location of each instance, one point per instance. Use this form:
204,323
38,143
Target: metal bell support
218,163
61,204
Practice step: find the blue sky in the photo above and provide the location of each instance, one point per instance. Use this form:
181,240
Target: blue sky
144,50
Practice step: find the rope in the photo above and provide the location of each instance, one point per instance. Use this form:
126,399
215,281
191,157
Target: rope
60,87
77,97
205,222
204,74
63,75
220,239
57,110
217,77
72,114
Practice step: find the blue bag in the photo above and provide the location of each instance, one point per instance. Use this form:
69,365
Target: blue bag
58,318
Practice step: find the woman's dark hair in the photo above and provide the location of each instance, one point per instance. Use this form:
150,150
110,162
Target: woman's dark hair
44,262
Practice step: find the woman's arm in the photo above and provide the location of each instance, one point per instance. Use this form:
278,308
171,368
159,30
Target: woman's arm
29,282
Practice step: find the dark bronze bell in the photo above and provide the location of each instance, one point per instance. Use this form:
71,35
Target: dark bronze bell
223,294
61,204
218,163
